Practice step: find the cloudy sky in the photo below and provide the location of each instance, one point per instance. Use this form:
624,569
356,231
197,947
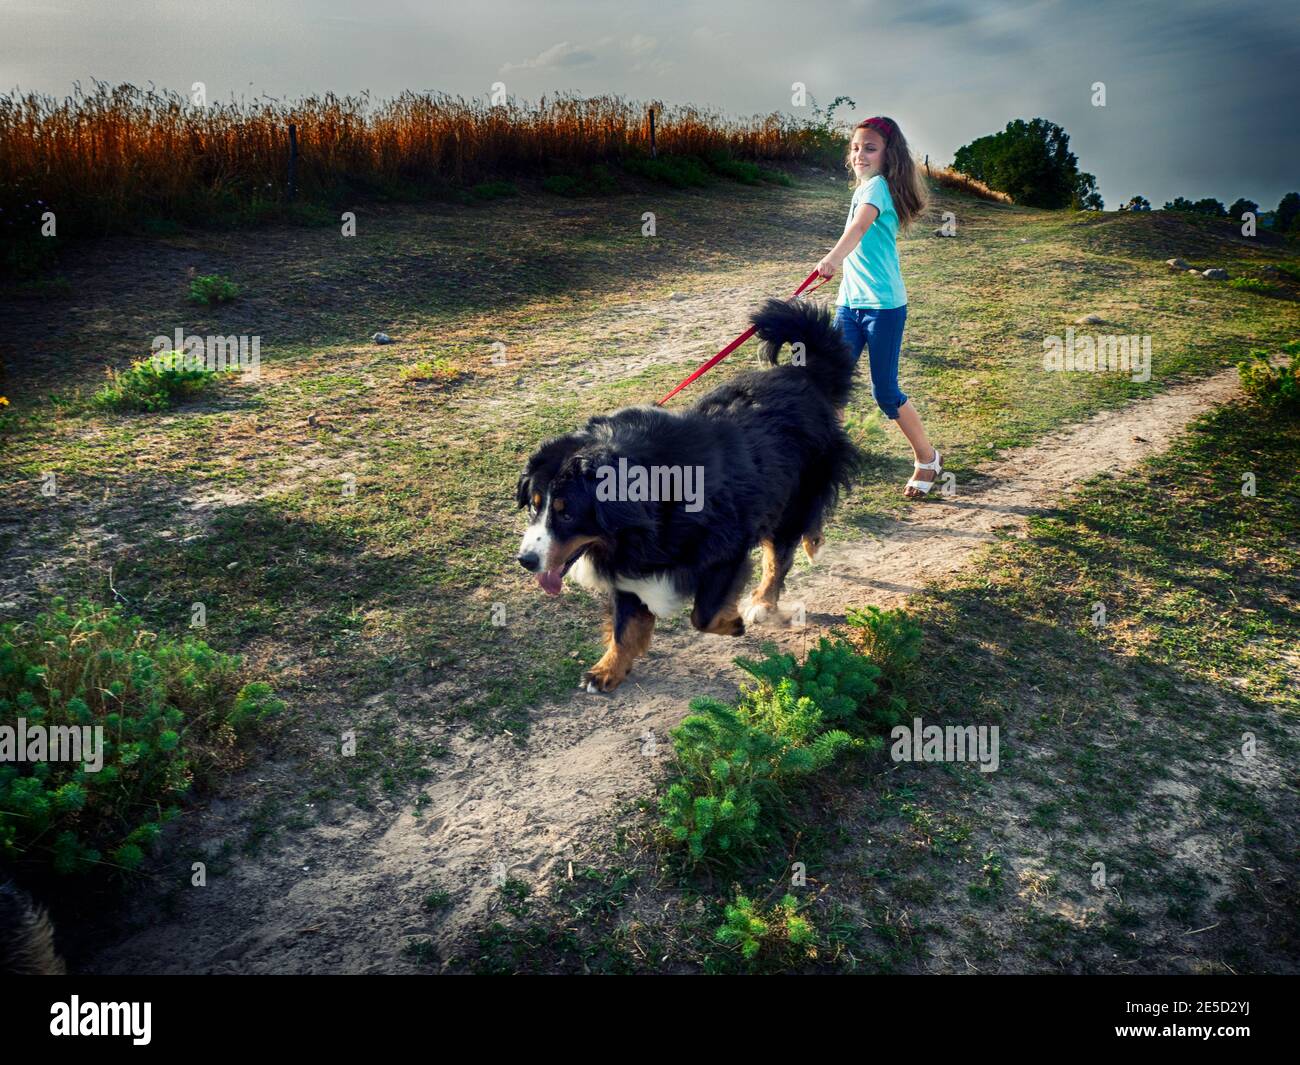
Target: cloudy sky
1200,98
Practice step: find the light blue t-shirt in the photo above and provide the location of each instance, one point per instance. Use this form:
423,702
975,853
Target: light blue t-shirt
871,276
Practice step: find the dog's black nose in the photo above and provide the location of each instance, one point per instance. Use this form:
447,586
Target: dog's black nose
530,561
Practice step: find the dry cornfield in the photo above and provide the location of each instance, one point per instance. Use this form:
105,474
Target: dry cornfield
99,157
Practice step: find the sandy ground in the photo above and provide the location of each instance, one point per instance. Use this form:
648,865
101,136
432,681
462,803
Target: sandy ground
346,895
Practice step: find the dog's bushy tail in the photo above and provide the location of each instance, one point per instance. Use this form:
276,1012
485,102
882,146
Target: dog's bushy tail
26,936
825,354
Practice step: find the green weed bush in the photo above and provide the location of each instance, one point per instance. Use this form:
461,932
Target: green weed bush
738,763
173,714
780,936
212,289
678,171
1275,387
152,385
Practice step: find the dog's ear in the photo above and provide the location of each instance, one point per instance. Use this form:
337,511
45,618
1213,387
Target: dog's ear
545,462
613,515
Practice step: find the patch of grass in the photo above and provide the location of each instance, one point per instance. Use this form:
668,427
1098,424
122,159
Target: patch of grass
438,369
1258,286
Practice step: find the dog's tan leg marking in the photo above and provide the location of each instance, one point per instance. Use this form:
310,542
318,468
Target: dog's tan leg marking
616,663
812,542
763,603
769,588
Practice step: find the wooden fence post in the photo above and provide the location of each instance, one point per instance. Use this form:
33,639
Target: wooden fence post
652,133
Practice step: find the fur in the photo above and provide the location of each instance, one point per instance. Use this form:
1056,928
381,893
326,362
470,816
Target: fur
26,936
773,458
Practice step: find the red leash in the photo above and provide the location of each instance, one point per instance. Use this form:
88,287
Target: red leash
706,367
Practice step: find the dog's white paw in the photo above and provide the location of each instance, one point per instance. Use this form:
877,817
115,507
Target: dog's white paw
591,688
756,613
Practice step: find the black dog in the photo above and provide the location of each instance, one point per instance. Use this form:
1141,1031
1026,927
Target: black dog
651,507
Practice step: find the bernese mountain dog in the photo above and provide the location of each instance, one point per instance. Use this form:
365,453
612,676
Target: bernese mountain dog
650,508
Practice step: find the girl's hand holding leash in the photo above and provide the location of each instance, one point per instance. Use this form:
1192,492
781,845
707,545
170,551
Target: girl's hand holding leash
827,267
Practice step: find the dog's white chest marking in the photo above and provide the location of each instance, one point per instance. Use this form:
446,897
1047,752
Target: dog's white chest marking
658,593
585,574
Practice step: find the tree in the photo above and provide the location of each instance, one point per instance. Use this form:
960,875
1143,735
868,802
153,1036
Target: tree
1208,206
1288,209
1241,206
1031,161
1137,203
1086,197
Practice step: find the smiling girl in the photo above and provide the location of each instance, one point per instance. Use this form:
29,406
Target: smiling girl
888,194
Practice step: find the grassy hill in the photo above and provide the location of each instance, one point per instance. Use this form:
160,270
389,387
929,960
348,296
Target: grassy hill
348,519
397,581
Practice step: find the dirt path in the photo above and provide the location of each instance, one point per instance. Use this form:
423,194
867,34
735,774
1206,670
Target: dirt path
347,895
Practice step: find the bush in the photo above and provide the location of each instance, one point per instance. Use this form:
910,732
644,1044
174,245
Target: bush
741,170
594,181
679,171
212,289
891,639
152,384
737,764
780,936
493,190
1275,387
734,763
172,714
839,680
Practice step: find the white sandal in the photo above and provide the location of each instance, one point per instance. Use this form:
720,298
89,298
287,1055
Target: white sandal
934,464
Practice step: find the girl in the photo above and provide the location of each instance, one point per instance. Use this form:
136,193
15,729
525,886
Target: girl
872,302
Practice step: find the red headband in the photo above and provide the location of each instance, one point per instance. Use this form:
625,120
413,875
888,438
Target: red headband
887,126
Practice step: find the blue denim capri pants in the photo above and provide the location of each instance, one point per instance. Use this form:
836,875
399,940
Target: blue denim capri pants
880,331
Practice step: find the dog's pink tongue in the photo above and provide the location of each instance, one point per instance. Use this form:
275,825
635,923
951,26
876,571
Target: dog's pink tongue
552,581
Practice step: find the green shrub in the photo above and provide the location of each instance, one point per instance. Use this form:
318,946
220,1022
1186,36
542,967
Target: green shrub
841,682
212,289
679,171
562,185
737,764
153,384
1254,284
594,181
734,763
1275,387
742,170
780,936
173,713
891,639
493,190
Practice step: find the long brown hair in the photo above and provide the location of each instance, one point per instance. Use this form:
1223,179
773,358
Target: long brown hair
906,186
